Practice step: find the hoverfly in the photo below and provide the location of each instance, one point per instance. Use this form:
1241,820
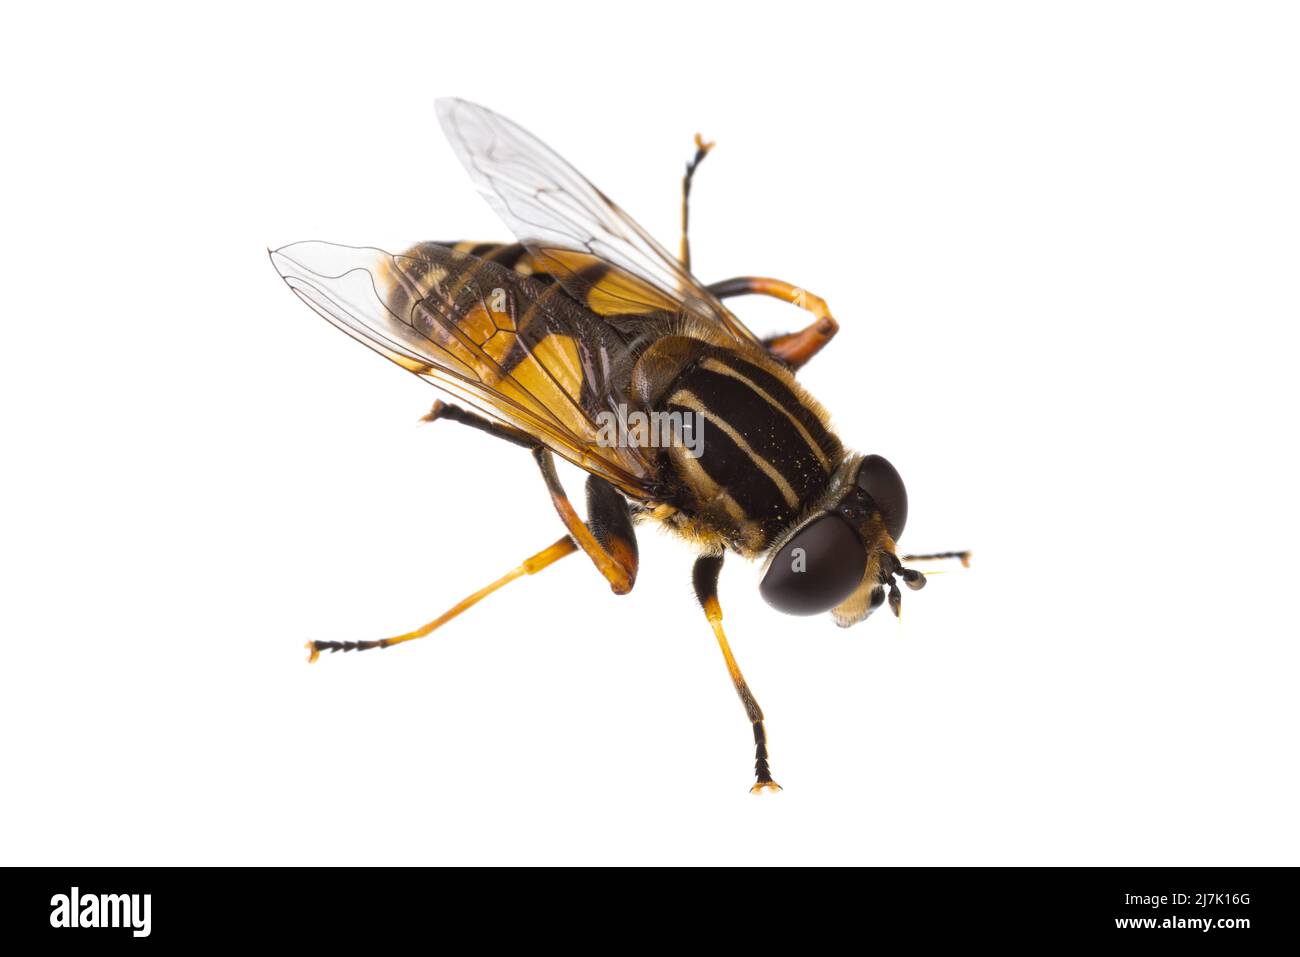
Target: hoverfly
569,340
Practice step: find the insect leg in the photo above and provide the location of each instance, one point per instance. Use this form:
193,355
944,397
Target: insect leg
794,348
705,579
454,413
701,150
607,537
529,566
609,540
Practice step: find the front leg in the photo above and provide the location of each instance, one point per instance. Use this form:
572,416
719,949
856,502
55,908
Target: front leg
705,579
701,150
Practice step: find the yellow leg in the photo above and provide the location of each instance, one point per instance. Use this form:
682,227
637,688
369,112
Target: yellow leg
530,566
707,568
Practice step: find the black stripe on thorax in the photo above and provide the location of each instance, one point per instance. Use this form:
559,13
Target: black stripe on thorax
732,468
778,390
763,426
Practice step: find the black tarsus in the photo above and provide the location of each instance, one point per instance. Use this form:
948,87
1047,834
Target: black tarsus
333,646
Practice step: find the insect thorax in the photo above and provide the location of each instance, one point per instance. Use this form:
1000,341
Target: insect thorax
756,451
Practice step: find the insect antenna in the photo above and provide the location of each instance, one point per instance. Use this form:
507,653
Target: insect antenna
939,556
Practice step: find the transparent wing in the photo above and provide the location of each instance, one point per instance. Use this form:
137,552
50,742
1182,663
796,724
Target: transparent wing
519,352
573,229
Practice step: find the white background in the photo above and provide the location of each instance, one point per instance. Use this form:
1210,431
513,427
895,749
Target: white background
1061,240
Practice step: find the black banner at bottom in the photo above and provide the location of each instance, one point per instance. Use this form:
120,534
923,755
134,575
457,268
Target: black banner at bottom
134,908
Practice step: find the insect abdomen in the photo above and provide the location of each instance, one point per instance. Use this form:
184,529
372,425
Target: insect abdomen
511,255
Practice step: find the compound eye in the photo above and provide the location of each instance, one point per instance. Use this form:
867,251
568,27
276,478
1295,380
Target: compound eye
817,569
882,482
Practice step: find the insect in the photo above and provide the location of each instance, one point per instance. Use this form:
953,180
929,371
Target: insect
586,339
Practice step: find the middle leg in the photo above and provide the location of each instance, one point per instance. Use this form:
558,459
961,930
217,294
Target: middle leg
793,348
